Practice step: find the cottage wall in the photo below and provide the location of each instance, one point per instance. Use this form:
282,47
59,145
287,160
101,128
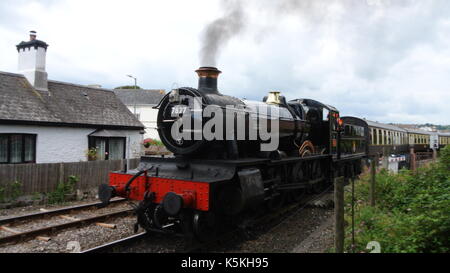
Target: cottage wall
66,144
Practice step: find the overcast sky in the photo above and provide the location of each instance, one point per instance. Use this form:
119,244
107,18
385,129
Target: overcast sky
385,60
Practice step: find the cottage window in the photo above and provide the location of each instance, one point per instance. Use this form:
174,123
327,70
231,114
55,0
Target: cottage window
17,148
108,148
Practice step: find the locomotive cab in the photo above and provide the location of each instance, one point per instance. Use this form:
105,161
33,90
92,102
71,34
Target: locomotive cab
323,121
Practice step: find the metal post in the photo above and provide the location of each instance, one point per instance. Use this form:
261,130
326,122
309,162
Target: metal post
373,171
339,214
353,215
135,87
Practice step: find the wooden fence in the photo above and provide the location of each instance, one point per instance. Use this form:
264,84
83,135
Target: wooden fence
45,177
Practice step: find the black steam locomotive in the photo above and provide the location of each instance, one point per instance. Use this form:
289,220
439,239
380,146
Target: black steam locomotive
212,183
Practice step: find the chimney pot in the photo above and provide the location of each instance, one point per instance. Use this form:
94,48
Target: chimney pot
32,35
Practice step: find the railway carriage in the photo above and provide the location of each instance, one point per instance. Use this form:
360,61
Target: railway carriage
420,140
387,139
443,139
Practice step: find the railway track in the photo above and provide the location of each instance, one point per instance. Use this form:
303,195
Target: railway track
117,244
42,214
38,233
269,222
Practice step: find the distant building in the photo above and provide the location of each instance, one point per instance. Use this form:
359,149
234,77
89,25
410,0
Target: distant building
428,128
141,103
43,121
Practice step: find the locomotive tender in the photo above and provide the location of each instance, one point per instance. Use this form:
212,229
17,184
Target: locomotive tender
211,184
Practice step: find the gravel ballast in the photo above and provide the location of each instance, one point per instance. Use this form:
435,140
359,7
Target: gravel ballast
309,230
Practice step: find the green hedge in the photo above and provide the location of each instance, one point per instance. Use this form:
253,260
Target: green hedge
412,212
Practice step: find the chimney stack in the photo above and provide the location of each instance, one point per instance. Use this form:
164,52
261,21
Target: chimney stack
207,79
32,61
32,35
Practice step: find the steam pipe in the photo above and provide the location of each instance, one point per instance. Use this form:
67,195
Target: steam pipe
127,186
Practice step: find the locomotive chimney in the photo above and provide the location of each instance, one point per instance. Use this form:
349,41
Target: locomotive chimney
207,79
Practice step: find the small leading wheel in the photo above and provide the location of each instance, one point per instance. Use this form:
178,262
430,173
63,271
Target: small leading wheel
144,218
204,226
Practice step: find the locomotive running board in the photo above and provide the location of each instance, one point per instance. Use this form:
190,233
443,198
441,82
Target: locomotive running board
207,171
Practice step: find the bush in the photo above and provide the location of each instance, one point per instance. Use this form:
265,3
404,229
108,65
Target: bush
16,190
412,212
62,190
11,191
445,157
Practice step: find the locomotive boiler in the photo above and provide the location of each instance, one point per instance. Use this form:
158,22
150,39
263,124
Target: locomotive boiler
244,124
220,172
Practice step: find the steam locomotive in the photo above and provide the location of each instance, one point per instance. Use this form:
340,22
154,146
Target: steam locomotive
212,183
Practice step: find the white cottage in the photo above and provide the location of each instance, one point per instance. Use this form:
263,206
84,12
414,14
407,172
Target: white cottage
44,121
141,103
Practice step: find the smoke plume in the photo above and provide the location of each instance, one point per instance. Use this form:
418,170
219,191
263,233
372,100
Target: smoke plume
236,18
220,31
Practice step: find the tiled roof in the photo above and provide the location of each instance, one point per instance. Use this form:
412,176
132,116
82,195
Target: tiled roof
64,103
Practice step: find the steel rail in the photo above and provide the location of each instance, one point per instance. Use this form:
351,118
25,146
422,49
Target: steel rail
54,212
118,243
52,229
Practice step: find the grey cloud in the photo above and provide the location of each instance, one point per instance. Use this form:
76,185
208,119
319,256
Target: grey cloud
391,62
